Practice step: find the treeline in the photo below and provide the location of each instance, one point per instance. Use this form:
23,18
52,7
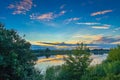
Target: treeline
47,52
100,51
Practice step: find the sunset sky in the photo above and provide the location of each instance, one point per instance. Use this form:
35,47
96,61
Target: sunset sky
69,21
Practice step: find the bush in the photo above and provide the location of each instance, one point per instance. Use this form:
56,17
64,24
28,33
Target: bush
105,71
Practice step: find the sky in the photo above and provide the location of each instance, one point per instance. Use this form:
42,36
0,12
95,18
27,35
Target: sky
63,21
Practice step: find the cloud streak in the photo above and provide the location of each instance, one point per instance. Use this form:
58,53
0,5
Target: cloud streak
47,16
100,27
116,29
86,38
71,19
21,7
107,40
95,25
87,23
101,12
104,26
62,6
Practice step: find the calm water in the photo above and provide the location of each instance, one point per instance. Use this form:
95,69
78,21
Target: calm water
43,63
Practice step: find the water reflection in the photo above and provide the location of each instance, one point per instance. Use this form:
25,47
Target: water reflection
43,63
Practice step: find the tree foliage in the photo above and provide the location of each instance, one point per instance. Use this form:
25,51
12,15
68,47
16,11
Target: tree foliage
104,71
114,54
108,70
76,63
52,73
16,59
76,67
47,52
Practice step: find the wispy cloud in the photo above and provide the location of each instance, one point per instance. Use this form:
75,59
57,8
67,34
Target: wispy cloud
40,43
116,29
101,12
100,27
100,18
107,39
87,23
62,6
71,19
50,24
117,42
21,7
52,43
104,26
87,38
95,25
61,13
47,16
98,39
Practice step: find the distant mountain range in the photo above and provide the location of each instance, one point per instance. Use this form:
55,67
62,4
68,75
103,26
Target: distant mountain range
71,46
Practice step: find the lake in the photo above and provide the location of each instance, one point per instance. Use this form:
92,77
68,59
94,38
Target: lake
43,63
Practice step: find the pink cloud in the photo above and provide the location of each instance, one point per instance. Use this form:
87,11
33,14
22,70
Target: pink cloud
101,12
62,13
44,17
47,16
21,7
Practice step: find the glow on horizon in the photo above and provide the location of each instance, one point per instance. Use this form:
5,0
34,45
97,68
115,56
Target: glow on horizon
60,21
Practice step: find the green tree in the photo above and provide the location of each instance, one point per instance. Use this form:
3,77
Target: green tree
47,52
114,54
16,60
52,73
108,70
104,71
76,64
